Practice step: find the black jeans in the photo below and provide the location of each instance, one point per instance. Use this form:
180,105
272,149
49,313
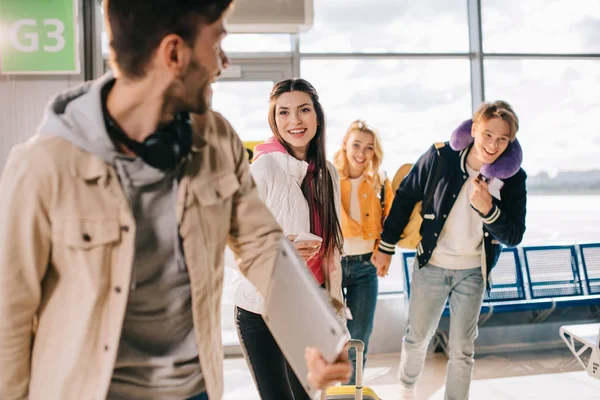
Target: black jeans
274,378
201,396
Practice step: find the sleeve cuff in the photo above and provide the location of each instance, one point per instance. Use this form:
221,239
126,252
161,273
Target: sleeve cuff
387,248
492,216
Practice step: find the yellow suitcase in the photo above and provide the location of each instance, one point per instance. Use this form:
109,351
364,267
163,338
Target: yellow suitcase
353,392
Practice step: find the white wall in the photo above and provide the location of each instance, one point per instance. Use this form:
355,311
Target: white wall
22,101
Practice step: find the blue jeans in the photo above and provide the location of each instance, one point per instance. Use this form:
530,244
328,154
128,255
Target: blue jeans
430,288
360,285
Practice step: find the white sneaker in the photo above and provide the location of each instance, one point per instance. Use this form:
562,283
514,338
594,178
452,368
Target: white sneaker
408,392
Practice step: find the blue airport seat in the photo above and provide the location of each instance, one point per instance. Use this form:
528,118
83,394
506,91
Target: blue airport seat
521,305
554,282
508,292
552,271
506,278
590,256
554,279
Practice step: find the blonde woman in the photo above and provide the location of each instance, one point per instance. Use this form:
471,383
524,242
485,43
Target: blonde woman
364,207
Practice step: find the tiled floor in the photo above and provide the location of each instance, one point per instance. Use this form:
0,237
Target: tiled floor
544,375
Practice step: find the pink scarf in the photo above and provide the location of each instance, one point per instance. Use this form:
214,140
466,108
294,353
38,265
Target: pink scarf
315,264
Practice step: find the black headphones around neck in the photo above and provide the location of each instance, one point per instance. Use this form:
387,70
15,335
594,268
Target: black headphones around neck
163,149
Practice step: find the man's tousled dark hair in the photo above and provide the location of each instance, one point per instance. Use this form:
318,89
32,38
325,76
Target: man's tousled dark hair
136,27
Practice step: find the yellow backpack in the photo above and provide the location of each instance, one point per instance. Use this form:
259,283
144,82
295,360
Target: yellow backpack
411,235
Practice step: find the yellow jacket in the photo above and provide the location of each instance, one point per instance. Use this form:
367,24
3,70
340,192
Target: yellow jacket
370,225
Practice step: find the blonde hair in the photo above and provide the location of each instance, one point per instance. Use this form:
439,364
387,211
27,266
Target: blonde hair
498,109
371,172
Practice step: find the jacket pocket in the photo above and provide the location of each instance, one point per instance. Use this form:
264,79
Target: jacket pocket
85,234
74,315
217,190
83,247
214,205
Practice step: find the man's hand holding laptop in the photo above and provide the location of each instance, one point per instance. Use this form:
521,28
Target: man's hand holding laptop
322,374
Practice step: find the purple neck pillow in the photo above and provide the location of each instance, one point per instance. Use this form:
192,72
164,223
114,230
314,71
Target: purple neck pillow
504,167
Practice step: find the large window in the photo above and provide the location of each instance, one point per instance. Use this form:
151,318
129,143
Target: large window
245,105
387,26
401,65
558,105
257,43
541,26
412,103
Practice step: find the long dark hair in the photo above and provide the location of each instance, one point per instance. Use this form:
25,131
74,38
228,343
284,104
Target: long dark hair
323,194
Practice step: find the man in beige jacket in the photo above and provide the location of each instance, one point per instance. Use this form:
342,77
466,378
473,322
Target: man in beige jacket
115,216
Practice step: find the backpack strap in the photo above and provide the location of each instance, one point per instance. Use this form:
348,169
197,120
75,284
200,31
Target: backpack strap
382,200
437,175
383,177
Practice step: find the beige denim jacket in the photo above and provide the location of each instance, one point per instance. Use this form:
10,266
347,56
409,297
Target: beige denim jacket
66,251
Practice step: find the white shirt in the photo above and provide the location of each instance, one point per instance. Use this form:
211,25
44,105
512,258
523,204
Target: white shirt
460,243
356,245
278,178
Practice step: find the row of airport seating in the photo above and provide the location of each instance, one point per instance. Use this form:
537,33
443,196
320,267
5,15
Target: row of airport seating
536,279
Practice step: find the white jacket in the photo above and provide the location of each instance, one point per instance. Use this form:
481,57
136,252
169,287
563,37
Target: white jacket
278,177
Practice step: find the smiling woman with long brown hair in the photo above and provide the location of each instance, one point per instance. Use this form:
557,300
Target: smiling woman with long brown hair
302,191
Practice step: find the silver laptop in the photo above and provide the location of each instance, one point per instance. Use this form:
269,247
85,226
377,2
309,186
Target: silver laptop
299,314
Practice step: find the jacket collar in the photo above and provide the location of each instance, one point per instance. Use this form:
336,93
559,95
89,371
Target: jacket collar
382,175
295,168
463,158
202,126
87,166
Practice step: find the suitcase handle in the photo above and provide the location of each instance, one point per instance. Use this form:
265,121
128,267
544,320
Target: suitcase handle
360,348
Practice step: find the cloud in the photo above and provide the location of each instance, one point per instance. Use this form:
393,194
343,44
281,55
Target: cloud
541,26
412,98
589,29
387,25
